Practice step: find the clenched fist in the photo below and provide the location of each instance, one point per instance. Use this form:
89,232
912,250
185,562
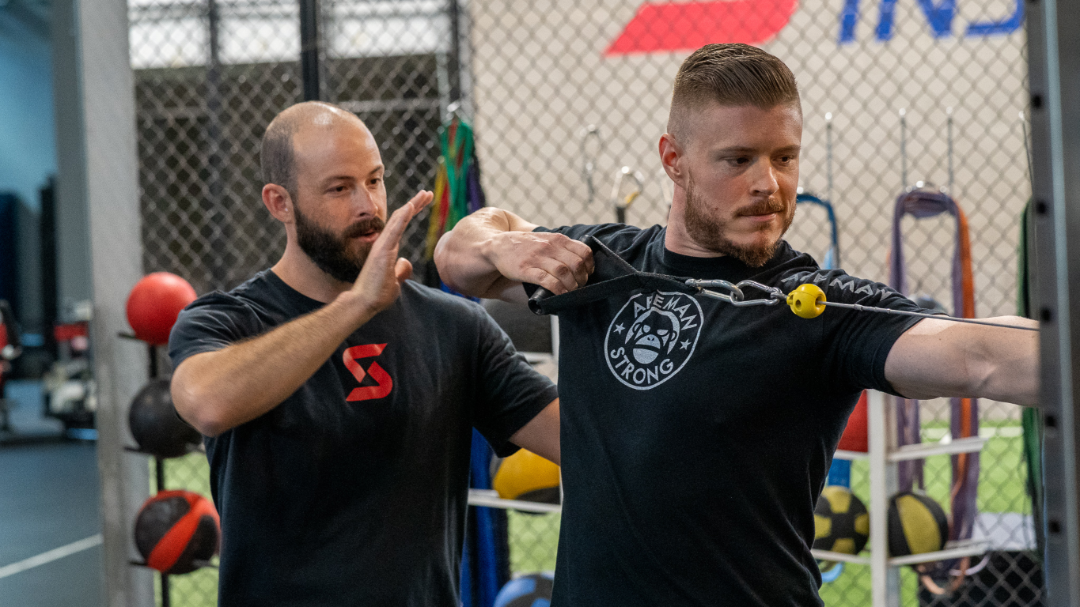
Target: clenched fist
552,261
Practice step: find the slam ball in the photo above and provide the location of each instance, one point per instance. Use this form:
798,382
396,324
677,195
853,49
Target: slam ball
917,524
154,303
154,423
527,476
177,531
533,590
841,522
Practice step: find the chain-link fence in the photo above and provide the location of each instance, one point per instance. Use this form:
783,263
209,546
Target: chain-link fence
893,92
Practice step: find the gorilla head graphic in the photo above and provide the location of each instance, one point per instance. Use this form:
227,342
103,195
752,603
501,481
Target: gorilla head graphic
653,332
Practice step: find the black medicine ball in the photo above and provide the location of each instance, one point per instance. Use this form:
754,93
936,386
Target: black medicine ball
177,531
917,525
156,426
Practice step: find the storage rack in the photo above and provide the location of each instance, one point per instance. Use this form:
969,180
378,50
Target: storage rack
883,457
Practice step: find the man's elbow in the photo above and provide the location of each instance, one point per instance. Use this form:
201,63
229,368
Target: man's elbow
1004,383
461,267
444,261
197,409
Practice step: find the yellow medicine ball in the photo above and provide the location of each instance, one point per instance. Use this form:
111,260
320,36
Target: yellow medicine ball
527,476
917,524
841,522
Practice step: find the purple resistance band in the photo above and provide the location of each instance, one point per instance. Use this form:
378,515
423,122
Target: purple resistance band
922,204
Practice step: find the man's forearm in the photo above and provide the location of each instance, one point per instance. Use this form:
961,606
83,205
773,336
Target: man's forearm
463,255
491,252
938,358
216,391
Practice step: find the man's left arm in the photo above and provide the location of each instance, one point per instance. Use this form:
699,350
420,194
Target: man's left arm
936,358
541,434
516,406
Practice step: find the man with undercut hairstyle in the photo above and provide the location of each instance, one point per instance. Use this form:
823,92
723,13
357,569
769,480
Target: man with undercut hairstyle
696,435
338,398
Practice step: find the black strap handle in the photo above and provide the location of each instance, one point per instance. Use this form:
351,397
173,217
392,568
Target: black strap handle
612,275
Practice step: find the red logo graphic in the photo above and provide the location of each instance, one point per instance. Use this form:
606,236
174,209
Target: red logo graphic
671,26
385,383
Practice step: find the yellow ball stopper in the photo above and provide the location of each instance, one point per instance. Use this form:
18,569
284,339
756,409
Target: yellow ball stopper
807,301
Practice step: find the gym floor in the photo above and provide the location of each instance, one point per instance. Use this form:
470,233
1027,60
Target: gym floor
50,524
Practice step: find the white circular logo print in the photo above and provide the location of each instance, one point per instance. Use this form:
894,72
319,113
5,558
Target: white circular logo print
652,337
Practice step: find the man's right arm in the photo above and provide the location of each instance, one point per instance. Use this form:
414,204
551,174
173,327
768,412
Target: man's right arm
218,390
491,252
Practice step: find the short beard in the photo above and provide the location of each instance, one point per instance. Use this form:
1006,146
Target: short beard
709,231
331,253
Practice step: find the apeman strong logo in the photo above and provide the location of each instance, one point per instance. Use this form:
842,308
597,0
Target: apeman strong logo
652,337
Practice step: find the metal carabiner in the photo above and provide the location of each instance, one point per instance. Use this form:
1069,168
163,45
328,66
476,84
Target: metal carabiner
775,294
703,286
589,159
621,204
736,297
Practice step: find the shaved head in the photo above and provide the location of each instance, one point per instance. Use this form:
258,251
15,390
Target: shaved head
729,75
278,157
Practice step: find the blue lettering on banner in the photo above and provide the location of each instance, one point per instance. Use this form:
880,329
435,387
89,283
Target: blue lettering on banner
1005,26
939,16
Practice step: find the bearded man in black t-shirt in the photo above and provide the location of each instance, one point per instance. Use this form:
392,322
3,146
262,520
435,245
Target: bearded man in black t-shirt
338,398
697,435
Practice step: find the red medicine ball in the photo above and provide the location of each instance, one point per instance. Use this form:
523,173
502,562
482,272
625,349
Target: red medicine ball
177,530
154,303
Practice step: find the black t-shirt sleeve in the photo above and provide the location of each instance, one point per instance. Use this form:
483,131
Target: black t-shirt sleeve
510,392
211,323
857,343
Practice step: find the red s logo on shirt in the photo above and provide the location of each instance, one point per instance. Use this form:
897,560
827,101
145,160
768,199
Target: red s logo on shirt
385,383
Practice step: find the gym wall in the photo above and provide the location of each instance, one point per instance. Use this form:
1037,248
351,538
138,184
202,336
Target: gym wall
545,70
27,150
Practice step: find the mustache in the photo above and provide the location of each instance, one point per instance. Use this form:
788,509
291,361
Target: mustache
764,208
365,226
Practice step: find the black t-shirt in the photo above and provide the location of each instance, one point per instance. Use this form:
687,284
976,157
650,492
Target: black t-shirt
696,435
353,490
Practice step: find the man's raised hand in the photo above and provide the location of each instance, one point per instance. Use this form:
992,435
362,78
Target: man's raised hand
379,283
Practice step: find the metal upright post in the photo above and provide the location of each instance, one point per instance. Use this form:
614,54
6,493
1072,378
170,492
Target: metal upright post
98,179
217,154
1054,74
949,137
453,13
828,157
903,149
159,470
884,580
309,48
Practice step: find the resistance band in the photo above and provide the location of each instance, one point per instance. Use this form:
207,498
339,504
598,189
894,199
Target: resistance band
831,261
964,419
1032,425
457,182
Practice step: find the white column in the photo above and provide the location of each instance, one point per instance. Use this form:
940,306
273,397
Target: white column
98,180
885,580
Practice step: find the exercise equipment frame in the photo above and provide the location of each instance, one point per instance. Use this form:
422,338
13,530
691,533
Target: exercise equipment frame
1054,67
